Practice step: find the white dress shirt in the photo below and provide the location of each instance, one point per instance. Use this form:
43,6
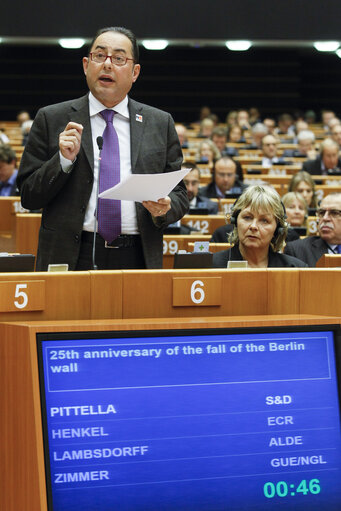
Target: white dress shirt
122,127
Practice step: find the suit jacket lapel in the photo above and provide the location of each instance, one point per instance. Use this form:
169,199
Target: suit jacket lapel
80,113
320,247
137,126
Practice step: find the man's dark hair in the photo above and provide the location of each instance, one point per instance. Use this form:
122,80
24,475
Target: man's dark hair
124,31
7,154
219,132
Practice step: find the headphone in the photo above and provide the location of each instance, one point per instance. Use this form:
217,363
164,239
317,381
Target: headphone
280,228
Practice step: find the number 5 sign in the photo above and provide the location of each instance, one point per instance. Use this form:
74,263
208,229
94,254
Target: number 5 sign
204,291
22,296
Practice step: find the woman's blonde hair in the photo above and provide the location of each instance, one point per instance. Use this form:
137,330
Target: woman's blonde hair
289,197
306,177
266,199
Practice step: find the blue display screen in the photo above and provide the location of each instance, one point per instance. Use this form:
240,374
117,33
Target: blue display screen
221,421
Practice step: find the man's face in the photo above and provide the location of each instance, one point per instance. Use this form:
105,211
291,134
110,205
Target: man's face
330,224
270,124
269,146
6,170
305,145
336,134
192,184
330,157
220,141
110,83
225,175
327,116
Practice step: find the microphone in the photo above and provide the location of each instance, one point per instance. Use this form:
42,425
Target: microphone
99,141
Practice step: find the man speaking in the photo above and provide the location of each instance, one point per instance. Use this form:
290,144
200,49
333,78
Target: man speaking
62,163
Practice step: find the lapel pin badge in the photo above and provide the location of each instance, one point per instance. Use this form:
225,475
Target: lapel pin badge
139,118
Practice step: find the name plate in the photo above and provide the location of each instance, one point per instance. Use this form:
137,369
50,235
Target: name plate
201,291
28,295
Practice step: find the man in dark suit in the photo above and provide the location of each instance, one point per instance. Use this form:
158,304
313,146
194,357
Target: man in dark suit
61,177
312,248
8,172
224,182
328,162
192,182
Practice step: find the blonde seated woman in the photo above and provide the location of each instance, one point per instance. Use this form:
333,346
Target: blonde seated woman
303,183
296,209
259,231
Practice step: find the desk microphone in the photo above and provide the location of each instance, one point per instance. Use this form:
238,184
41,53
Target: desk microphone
99,141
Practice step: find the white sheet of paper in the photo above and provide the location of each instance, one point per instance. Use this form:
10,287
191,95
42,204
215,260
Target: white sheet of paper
144,187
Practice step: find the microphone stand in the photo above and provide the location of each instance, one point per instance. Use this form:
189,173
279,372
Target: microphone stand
99,141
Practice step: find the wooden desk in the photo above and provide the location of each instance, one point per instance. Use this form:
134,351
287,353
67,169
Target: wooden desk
205,224
27,232
329,261
173,243
8,207
23,467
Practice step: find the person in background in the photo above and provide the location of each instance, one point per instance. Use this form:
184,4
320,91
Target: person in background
25,130
235,135
269,150
259,231
8,172
219,138
243,119
182,134
326,116
231,119
3,137
296,209
60,167
328,162
306,146
225,180
285,121
303,183
206,128
270,124
335,134
254,115
207,153
23,116
312,248
192,183
258,132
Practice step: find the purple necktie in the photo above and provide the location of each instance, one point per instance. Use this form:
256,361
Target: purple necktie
339,249
109,211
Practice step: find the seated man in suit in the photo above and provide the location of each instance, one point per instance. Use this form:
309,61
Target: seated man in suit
192,182
225,180
258,132
328,162
310,249
269,149
8,172
306,146
219,137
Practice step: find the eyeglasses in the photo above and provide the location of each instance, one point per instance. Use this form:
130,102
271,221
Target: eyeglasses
333,213
193,183
100,57
225,174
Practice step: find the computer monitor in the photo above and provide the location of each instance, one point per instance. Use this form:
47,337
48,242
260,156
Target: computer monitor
17,263
213,420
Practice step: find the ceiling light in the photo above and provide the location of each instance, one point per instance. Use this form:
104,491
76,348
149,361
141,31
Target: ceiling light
71,42
155,44
326,45
338,53
238,45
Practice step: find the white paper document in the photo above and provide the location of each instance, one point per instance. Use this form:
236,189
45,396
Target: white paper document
144,187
